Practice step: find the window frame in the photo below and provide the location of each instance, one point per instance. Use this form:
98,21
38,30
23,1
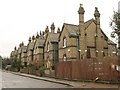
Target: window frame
64,42
48,47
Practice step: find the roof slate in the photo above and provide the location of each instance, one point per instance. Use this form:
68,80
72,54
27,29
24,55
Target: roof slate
111,42
24,49
54,37
31,45
19,50
74,29
39,42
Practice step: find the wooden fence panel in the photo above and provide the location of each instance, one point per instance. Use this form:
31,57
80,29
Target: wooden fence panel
88,69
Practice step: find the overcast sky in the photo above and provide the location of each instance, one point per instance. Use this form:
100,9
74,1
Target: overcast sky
20,19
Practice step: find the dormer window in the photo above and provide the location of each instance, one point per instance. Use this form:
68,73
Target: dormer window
48,47
64,42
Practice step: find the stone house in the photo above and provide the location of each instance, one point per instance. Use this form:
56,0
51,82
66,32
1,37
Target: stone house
83,40
51,47
20,49
14,54
72,42
38,52
69,42
30,49
112,49
24,56
22,53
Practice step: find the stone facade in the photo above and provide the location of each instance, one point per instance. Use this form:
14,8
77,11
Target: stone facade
67,42
24,56
72,42
14,54
111,48
38,57
30,49
51,47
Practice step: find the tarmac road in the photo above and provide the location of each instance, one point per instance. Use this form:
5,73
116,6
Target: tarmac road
10,80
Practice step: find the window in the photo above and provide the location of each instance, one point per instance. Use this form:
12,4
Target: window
48,62
101,36
64,42
103,54
48,47
77,42
64,57
78,49
96,53
88,54
32,55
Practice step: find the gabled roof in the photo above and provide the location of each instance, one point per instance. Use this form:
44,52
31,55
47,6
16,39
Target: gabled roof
39,42
53,37
73,30
13,53
31,45
87,23
104,34
24,49
19,50
111,42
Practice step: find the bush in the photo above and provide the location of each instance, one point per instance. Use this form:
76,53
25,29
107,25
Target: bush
42,69
16,64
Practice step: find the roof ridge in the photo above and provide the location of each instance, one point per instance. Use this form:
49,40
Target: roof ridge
78,25
110,41
87,23
70,24
89,20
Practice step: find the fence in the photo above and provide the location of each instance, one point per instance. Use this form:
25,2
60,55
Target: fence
88,69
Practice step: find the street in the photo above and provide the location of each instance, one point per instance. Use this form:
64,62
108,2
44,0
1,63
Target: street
10,80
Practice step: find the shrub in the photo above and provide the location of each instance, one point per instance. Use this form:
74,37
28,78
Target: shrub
42,69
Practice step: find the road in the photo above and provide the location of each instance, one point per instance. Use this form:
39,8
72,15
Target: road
10,80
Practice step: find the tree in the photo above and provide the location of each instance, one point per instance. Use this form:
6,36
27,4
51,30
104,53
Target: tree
5,62
115,25
16,63
0,62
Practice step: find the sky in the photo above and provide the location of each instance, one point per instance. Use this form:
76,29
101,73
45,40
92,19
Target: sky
20,19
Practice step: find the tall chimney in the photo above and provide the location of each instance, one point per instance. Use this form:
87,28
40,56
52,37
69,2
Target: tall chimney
52,28
82,44
99,47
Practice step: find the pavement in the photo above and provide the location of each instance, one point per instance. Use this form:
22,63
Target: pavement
74,84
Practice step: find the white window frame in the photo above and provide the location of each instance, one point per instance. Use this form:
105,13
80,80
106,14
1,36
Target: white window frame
64,42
